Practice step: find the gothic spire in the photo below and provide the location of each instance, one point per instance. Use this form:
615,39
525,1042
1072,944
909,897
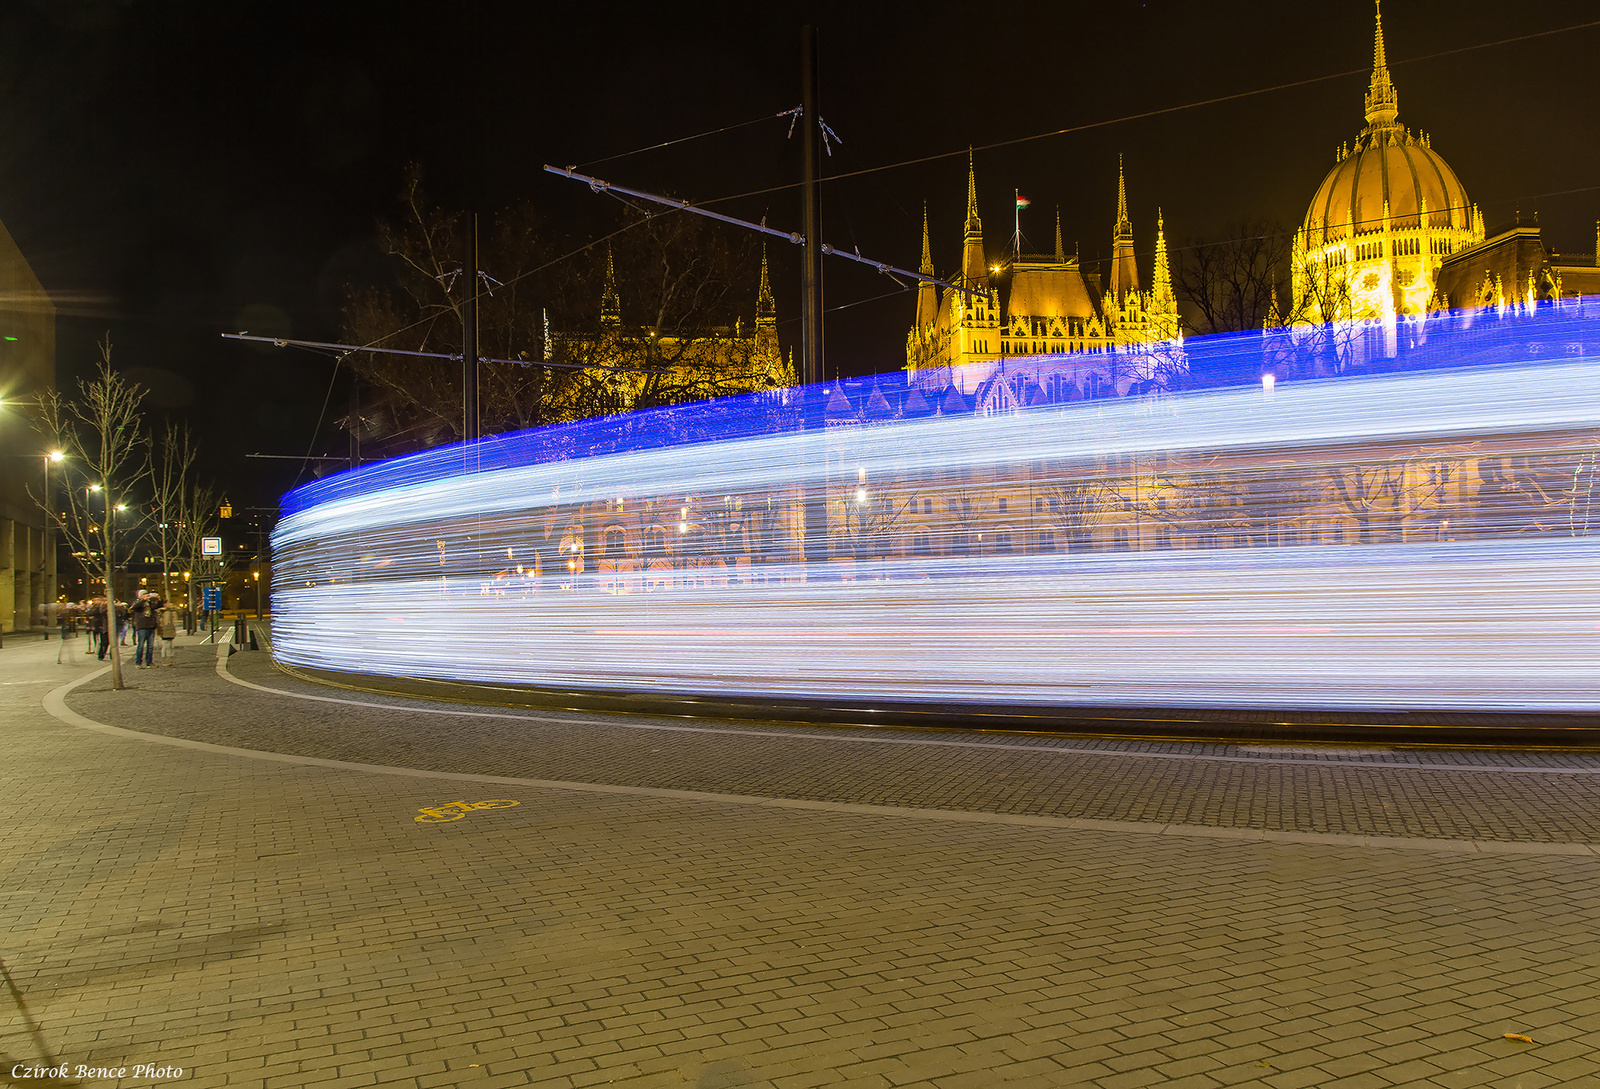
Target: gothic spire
766,307
974,266
1061,251
973,223
1382,103
1123,226
610,304
927,292
1161,278
1124,272
927,250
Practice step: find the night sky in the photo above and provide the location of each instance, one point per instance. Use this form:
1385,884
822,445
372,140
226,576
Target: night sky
176,170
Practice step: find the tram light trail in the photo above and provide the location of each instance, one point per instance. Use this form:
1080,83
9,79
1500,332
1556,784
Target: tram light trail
1412,540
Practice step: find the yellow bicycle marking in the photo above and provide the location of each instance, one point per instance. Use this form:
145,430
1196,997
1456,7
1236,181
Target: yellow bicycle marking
454,811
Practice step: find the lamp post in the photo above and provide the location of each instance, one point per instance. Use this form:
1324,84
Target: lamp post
49,542
108,536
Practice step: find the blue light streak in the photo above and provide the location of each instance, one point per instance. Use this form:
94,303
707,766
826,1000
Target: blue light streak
1409,540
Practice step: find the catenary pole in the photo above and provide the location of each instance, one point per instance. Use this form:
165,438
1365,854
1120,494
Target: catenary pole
469,333
814,538
811,264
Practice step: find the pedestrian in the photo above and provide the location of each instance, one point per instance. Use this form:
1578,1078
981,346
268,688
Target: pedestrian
167,629
100,622
143,614
122,621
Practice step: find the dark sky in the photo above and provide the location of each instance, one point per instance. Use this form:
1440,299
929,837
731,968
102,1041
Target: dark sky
174,170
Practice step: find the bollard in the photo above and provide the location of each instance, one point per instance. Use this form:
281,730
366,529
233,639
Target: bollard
241,635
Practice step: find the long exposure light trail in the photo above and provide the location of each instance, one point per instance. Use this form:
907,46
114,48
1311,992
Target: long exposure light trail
1410,540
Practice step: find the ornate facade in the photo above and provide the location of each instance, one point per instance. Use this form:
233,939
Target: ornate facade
1056,335
655,367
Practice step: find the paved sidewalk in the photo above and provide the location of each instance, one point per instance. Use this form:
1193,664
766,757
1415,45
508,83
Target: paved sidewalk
260,922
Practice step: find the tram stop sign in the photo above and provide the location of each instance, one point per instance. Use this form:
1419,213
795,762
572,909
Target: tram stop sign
211,546
211,598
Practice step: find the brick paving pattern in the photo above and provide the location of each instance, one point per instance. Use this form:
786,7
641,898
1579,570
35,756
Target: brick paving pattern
276,924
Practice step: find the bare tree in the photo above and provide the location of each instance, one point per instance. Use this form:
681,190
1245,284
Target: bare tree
171,483
1318,332
1229,284
101,432
677,335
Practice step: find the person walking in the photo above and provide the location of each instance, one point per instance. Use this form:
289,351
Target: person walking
100,624
167,630
144,629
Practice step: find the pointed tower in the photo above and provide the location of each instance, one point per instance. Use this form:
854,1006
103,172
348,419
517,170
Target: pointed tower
610,304
927,292
1124,273
766,308
1165,324
1382,104
1061,251
1161,297
974,267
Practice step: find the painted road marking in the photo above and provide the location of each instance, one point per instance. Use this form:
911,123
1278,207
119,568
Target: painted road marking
454,811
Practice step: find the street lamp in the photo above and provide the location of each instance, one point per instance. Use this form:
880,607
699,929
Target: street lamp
57,457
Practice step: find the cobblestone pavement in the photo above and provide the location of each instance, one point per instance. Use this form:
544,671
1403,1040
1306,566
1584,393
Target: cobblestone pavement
260,921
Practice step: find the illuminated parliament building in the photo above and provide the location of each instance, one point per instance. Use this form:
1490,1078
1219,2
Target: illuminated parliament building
1391,266
1056,335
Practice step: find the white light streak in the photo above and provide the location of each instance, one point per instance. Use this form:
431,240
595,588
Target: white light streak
1415,540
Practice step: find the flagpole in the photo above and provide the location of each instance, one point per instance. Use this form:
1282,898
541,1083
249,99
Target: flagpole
1016,215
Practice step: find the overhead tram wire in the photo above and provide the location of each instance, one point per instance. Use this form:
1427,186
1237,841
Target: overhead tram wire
892,271
341,351
687,139
350,349
1160,112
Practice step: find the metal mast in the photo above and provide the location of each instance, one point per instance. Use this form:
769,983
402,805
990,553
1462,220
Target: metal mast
811,267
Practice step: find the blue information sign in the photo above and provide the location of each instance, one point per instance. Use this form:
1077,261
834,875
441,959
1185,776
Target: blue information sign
211,598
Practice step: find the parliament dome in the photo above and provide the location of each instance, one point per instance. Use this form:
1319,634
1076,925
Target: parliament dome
1388,169
1383,219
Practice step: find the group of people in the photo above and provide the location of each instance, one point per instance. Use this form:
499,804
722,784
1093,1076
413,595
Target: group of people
150,617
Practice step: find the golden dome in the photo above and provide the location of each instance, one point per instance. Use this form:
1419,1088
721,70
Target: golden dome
1388,165
1401,172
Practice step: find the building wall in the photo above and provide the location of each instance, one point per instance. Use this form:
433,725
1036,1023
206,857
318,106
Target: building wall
27,369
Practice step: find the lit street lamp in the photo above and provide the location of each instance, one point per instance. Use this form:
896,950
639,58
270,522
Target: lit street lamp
49,541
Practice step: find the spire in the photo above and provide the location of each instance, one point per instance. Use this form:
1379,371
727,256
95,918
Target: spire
766,308
1061,251
974,266
927,250
1161,278
927,292
1124,273
610,304
1382,105
1123,226
972,196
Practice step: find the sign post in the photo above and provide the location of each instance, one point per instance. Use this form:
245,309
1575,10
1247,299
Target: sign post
211,601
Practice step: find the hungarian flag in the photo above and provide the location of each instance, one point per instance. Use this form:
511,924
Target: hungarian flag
1022,201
